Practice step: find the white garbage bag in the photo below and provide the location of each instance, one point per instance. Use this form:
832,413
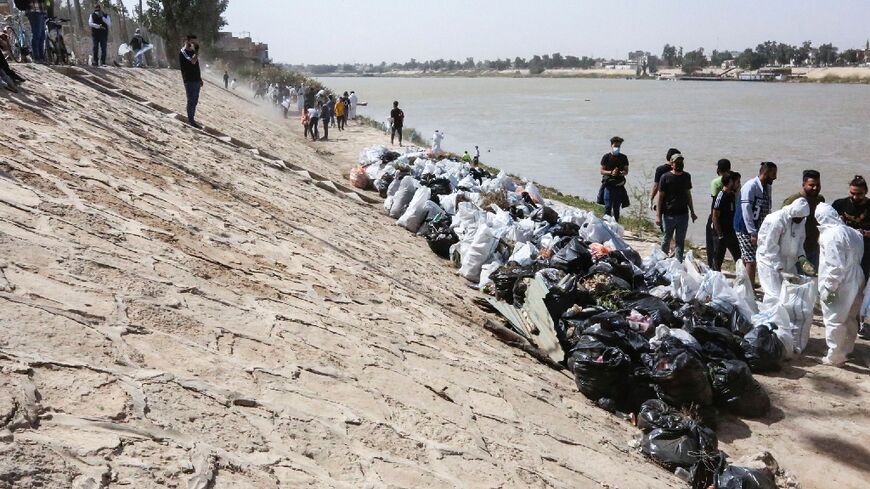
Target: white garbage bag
684,286
477,253
448,202
402,197
777,315
486,271
743,287
522,231
534,193
417,211
467,219
798,300
524,254
614,226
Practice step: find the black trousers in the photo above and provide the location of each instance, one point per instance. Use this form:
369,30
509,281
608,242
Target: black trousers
101,40
729,243
395,130
326,128
711,241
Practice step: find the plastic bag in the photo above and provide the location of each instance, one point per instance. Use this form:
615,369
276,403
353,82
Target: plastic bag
798,300
763,349
599,370
478,253
402,197
574,258
534,193
681,446
735,389
679,375
545,214
655,308
486,274
417,210
743,287
506,277
734,477
524,254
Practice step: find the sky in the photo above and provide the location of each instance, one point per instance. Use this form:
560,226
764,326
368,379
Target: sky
371,31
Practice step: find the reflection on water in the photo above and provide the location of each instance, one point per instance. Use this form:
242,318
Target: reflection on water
555,130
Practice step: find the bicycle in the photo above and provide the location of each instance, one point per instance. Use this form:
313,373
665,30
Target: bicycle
55,48
19,47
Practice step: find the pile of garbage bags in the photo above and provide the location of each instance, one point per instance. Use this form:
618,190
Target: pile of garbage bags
675,342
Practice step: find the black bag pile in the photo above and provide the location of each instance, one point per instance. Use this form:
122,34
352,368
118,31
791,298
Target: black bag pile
606,306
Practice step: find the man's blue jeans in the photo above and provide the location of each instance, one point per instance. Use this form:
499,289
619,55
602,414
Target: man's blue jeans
192,90
37,28
675,228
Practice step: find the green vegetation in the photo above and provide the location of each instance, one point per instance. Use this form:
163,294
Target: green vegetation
174,19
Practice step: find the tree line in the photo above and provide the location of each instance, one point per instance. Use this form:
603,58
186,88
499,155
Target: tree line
768,53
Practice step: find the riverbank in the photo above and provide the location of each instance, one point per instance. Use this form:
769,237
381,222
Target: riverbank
183,309
856,75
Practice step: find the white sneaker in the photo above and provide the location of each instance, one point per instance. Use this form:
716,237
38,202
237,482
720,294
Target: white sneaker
827,361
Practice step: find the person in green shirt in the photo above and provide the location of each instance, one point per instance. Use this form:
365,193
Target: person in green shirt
723,166
811,190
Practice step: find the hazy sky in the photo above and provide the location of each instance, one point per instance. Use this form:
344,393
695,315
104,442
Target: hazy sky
334,31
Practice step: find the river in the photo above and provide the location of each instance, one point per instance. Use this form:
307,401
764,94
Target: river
555,130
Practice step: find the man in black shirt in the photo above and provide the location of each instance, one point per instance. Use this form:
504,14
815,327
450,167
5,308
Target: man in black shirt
188,60
722,221
397,119
675,205
614,168
855,212
661,170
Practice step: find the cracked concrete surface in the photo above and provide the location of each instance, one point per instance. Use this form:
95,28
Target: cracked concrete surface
178,313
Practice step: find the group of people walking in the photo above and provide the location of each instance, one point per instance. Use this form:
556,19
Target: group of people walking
806,236
329,111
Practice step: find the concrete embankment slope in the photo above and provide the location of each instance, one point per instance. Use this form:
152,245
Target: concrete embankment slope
176,311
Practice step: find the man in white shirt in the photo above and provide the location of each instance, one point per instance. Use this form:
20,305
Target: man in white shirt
99,22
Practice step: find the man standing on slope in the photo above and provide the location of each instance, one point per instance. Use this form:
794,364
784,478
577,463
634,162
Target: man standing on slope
675,206
188,60
723,166
138,44
99,22
614,168
810,190
755,198
397,119
436,142
840,282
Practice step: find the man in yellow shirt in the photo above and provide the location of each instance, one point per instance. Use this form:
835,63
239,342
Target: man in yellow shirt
341,113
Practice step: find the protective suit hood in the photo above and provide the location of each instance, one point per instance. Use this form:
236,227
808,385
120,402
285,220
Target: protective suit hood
827,217
798,208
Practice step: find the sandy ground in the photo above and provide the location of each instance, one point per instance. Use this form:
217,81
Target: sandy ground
179,312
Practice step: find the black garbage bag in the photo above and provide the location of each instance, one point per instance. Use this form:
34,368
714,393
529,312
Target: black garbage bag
718,343
734,477
679,375
655,413
505,278
735,389
565,229
439,236
618,335
657,309
682,446
545,214
573,258
655,277
390,156
763,349
439,186
564,294
600,371
383,183
621,270
626,256
550,276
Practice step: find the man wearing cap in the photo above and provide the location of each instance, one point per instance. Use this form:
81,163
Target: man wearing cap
756,196
723,166
137,44
99,22
614,168
675,206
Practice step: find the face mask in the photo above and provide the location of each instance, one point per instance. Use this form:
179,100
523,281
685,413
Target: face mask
616,150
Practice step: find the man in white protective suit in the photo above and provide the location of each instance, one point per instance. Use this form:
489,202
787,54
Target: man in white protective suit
436,142
780,245
840,283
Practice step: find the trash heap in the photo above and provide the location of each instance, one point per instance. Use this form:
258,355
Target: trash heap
669,345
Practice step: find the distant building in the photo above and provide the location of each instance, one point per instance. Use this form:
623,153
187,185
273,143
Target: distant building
728,64
241,49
